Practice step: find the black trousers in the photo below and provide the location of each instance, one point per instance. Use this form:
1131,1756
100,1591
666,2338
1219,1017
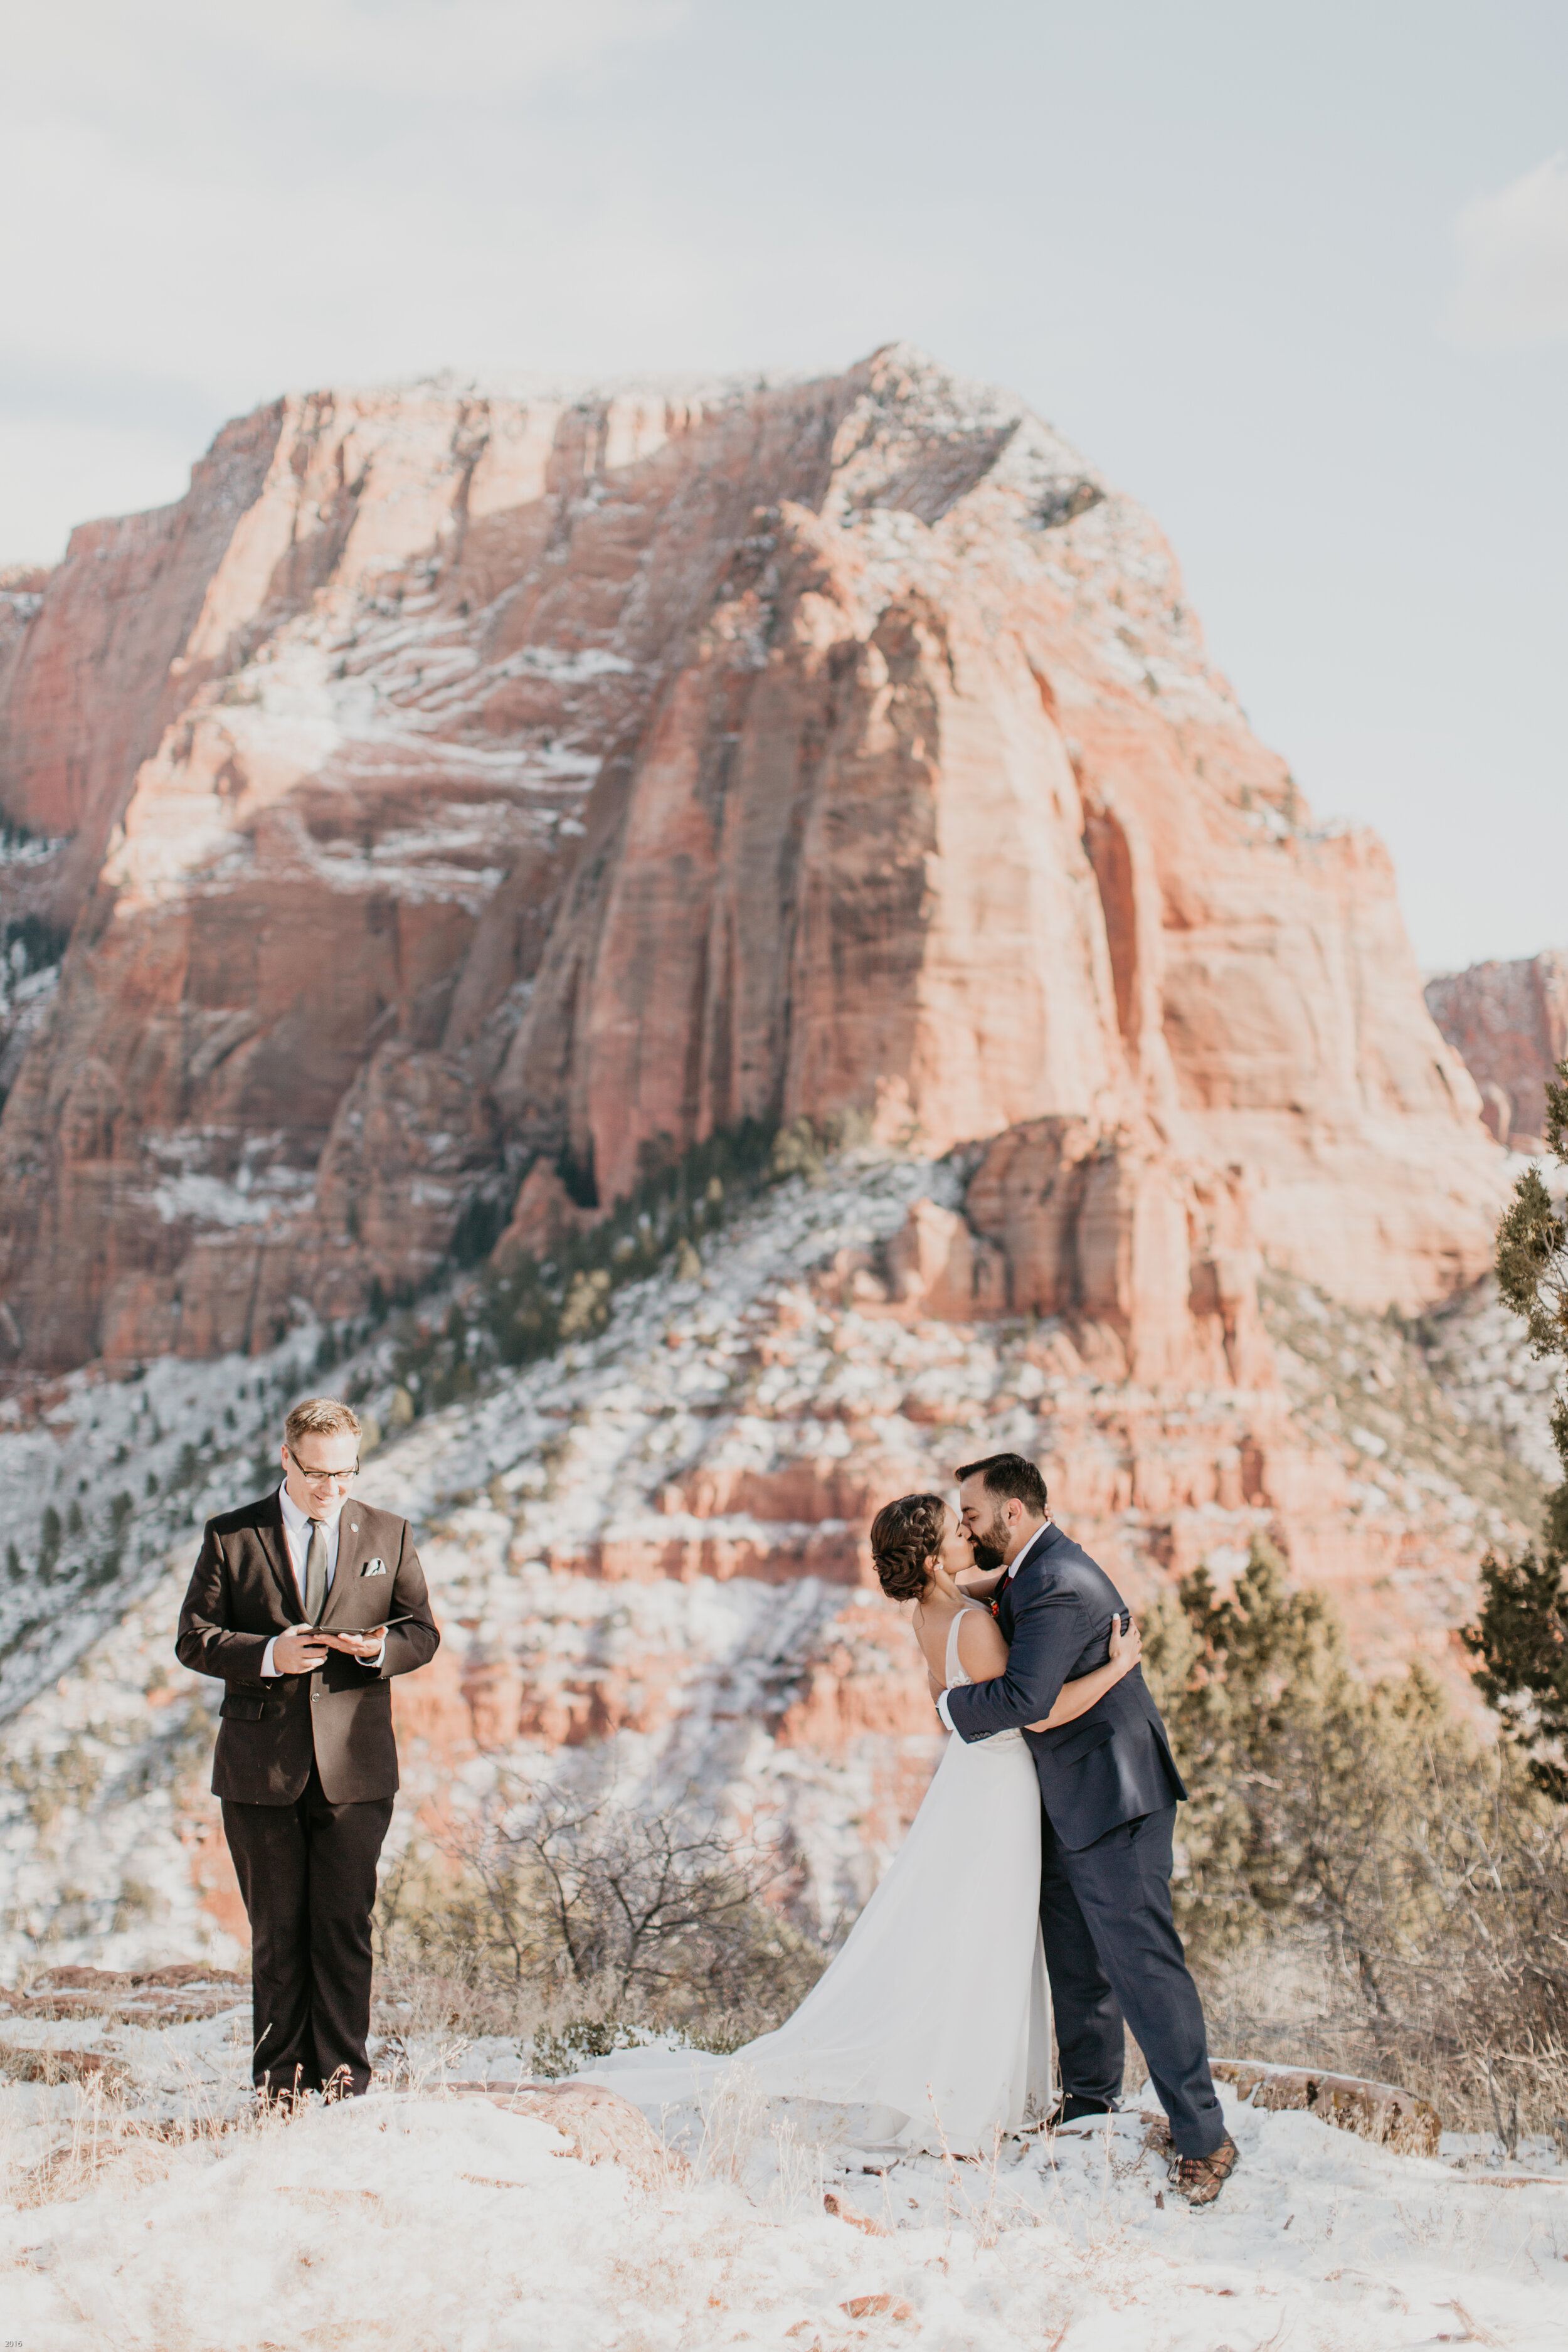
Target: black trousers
307,1871
1112,1952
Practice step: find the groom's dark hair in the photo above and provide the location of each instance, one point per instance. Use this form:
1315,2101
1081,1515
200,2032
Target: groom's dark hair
1008,1473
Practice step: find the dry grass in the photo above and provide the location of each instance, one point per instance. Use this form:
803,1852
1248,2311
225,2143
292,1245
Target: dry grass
1290,2000
105,2138
51,2067
425,2015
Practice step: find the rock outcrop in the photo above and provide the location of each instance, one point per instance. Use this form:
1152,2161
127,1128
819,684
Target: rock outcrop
454,780
1380,2112
598,2126
1509,1021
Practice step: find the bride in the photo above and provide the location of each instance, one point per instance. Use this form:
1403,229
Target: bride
933,2025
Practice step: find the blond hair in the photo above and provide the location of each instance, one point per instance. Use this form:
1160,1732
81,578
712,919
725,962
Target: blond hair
319,1417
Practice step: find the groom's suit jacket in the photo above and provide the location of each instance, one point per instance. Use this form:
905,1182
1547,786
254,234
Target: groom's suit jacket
1115,1762
242,1592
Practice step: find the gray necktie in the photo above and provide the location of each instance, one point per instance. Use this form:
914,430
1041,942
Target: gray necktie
315,1573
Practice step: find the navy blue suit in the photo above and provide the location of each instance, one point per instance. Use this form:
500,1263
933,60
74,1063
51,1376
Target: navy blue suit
1109,1789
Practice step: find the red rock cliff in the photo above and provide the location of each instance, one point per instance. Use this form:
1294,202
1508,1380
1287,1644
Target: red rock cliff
450,778
1509,1024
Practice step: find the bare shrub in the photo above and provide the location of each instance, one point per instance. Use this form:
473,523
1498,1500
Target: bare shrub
580,1922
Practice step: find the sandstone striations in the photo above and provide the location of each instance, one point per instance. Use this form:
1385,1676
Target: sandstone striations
1509,1024
457,781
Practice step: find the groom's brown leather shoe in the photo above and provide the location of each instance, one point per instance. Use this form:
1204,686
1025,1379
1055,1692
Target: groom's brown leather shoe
1200,2179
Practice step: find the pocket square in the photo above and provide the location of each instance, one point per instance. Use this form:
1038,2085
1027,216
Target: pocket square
373,1568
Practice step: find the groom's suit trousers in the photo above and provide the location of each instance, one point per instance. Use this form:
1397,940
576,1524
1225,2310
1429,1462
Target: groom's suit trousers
1112,1952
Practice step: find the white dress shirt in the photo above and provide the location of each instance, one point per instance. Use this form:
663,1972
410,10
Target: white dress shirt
1013,1568
296,1527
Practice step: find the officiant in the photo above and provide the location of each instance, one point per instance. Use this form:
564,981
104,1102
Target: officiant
306,1603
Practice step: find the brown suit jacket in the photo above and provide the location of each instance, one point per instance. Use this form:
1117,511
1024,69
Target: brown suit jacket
242,1592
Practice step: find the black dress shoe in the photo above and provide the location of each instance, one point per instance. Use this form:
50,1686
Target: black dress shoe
1069,2109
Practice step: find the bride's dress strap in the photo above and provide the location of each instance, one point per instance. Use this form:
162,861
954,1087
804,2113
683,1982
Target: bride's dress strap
956,1677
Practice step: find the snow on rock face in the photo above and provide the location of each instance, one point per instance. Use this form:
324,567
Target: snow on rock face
440,2220
650,1553
456,773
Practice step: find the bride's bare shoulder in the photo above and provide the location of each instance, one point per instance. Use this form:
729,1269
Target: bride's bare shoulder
982,1650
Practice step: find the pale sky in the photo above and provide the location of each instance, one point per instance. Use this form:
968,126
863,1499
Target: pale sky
1297,277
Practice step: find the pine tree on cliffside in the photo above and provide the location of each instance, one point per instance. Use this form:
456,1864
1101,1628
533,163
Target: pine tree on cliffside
1521,1634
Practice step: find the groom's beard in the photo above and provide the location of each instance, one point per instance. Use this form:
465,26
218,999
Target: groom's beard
991,1548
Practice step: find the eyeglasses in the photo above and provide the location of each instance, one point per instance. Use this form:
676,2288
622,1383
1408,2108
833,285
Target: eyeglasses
321,1478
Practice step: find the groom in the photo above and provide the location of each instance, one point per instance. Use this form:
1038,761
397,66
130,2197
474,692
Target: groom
1109,1789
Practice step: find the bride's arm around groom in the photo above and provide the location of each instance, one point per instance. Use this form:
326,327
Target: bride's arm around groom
1056,1609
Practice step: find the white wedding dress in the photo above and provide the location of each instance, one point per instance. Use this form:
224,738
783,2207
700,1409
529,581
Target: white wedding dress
934,2024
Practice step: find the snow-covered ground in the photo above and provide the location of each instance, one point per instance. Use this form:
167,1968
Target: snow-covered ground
430,2221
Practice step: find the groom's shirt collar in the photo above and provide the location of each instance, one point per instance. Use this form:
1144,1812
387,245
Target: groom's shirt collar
1035,1541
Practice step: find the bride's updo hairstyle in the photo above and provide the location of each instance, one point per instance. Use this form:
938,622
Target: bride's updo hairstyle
904,1536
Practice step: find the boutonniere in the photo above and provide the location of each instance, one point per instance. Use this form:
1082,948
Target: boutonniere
995,1609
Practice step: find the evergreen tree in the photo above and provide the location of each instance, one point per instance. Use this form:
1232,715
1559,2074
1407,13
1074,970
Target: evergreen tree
1317,1799
1520,1637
